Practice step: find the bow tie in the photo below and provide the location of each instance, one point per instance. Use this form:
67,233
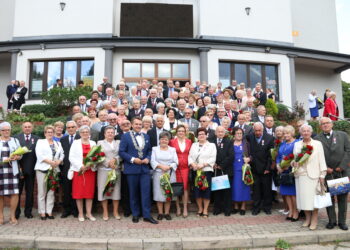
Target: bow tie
137,134
327,134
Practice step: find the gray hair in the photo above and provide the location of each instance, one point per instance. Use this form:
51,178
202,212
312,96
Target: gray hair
305,126
71,122
258,124
164,134
84,127
325,118
4,124
160,105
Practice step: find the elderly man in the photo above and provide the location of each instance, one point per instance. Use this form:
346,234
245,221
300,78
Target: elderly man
241,120
143,102
82,104
336,147
260,116
221,113
109,94
10,91
181,106
202,110
211,94
75,110
260,144
136,110
105,84
97,126
250,107
169,89
193,124
204,122
112,119
156,130
153,100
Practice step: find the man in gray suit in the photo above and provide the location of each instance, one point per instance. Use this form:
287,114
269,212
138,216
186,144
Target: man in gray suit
241,124
193,124
336,146
250,107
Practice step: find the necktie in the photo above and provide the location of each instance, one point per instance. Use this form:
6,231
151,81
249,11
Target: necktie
219,142
71,139
27,138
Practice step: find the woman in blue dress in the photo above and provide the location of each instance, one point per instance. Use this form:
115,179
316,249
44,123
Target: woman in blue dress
240,191
288,191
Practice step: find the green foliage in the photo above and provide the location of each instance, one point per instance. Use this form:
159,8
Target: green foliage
342,126
280,123
47,109
346,98
282,244
15,117
271,108
315,126
284,114
298,109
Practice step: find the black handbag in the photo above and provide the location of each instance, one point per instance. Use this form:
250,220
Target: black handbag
287,179
178,187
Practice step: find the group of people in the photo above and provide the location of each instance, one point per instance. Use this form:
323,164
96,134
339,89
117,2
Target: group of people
328,104
153,129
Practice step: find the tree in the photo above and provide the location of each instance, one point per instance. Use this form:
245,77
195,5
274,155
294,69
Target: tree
346,98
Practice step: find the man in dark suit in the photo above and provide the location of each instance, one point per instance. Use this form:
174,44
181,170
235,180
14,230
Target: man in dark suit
136,110
260,145
156,130
105,84
135,150
241,124
82,104
153,100
193,124
169,89
211,94
232,114
112,120
269,127
336,148
201,111
260,116
223,166
204,121
10,91
69,204
27,164
260,95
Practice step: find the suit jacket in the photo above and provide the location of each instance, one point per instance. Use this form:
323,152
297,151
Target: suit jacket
212,97
261,97
132,113
127,152
153,107
193,126
152,133
260,153
201,111
211,137
10,90
247,129
166,92
253,111
224,156
65,142
337,152
28,160
234,115
22,93
273,131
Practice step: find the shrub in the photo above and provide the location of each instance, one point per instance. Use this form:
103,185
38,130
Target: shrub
46,109
271,108
284,113
282,244
342,126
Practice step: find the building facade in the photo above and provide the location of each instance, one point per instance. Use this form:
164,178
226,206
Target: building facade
289,46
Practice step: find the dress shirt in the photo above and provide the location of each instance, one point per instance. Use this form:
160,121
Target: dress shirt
258,139
158,133
269,131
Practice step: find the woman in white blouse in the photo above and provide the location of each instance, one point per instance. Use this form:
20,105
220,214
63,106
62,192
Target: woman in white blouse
202,157
49,153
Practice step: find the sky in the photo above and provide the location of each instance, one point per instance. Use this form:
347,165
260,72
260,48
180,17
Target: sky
343,20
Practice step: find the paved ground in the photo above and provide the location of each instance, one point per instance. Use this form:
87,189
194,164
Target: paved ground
192,233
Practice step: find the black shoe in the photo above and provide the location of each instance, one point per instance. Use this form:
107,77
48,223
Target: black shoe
331,225
150,220
65,215
51,217
227,214
75,215
343,226
29,216
289,218
267,211
216,213
294,220
242,212
167,217
302,214
43,217
255,212
126,215
17,215
160,217
234,211
135,219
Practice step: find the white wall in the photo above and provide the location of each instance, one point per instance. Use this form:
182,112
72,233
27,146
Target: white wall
316,23
310,77
155,54
7,10
214,56
268,19
23,62
5,68
44,17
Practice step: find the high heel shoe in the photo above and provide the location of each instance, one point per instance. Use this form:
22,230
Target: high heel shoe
294,220
306,224
312,228
289,218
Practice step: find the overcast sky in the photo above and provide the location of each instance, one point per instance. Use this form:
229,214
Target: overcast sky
343,19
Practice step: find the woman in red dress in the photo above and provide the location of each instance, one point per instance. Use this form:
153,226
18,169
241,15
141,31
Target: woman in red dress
331,108
182,146
83,185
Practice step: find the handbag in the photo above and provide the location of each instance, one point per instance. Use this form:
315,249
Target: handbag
319,103
220,182
339,186
322,200
286,179
178,187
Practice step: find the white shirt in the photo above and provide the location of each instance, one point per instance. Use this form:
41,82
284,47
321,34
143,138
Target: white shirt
269,131
182,145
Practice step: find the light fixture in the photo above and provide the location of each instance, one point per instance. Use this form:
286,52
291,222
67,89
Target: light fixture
62,5
267,49
42,46
247,10
20,53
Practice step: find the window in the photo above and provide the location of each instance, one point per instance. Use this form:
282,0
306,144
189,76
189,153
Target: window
250,74
134,72
43,74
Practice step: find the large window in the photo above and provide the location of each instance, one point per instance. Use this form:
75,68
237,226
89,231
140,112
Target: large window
134,72
43,74
250,74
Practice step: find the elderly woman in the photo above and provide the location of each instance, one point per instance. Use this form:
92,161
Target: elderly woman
114,106
239,97
77,119
202,158
168,103
84,177
19,96
58,127
92,114
110,147
313,105
171,122
8,171
191,102
49,154
287,190
160,110
147,123
164,160
331,109
226,123
309,177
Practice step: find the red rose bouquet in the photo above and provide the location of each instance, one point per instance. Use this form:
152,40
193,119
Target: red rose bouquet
112,179
247,175
201,181
303,156
274,150
52,179
287,159
94,157
165,185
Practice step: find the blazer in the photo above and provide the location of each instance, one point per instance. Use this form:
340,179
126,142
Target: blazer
132,113
212,98
262,97
224,156
110,152
205,155
253,111
247,129
13,145
21,95
28,160
260,153
127,152
166,92
316,165
152,133
43,151
150,105
193,126
336,152
65,142
76,156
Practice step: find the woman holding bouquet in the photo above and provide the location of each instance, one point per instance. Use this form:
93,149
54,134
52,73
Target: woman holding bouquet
84,177
164,161
201,159
110,147
240,191
309,176
8,171
284,157
49,154
182,146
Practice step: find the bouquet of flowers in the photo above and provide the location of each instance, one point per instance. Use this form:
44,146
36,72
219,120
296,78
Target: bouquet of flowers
285,163
166,186
201,181
94,157
52,179
274,150
303,156
18,151
191,137
247,175
112,179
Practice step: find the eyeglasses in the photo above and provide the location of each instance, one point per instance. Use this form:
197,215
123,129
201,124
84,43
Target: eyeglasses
125,103
202,121
324,123
112,119
71,127
6,130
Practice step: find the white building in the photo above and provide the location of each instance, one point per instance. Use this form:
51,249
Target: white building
290,45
